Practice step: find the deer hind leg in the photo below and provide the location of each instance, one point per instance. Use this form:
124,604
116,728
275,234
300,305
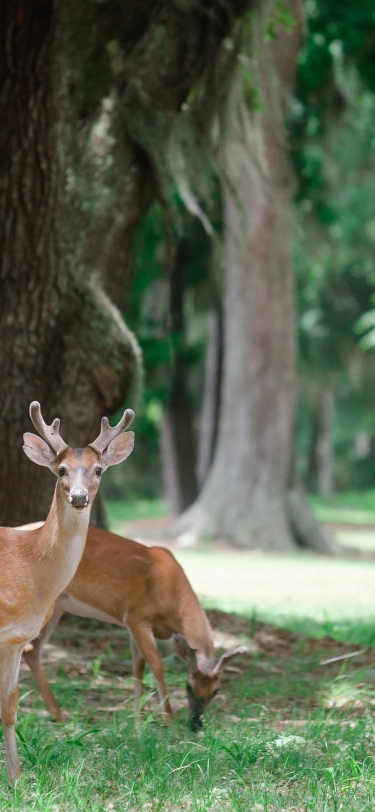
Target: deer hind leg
144,642
10,659
32,655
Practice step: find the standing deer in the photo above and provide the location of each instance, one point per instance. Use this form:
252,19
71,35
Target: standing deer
145,590
36,565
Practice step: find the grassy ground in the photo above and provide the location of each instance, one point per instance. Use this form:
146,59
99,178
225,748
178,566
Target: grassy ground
120,512
354,507
286,732
323,596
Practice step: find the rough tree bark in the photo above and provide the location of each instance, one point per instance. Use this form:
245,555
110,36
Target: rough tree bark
62,341
246,497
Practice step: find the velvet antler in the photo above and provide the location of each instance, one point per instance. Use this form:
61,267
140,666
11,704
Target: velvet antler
51,434
108,433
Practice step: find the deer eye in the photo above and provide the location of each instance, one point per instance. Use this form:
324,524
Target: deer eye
61,471
98,471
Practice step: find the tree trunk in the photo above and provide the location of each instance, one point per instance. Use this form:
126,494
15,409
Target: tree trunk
33,163
178,417
211,396
62,341
245,497
169,465
324,449
321,459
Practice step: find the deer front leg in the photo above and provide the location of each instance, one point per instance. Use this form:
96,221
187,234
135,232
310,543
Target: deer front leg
32,655
144,642
138,666
10,659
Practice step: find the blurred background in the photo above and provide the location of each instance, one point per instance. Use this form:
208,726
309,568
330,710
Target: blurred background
176,291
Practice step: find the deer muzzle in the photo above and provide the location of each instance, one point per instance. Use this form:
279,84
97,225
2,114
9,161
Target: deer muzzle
79,498
196,709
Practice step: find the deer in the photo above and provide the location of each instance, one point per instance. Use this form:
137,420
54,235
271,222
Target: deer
37,564
145,590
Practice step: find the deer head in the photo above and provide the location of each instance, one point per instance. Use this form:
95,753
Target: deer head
204,677
78,469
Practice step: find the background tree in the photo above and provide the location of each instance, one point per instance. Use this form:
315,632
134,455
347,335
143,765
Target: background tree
245,497
332,130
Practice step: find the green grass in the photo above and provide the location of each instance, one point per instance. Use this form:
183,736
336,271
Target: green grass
330,595
120,512
354,507
359,539
285,733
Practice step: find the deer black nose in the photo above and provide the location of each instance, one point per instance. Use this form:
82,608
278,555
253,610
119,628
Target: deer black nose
79,498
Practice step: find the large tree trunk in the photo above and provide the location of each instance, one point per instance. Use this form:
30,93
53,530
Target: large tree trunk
62,341
33,165
245,497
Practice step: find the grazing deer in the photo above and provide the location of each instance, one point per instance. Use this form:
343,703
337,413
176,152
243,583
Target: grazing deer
36,565
145,590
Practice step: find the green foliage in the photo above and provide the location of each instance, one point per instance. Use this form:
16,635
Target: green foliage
164,339
333,149
332,131
354,507
281,18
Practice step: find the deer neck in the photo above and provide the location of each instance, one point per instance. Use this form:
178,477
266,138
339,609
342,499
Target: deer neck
62,541
197,630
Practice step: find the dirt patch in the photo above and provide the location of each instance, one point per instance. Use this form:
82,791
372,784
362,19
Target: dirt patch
273,641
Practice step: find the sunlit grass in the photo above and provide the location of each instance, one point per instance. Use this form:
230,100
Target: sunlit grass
359,539
353,507
320,590
279,588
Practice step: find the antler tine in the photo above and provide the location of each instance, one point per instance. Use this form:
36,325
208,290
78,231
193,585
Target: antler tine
108,433
51,434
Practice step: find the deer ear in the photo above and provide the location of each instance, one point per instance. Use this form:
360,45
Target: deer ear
119,449
38,451
227,657
185,652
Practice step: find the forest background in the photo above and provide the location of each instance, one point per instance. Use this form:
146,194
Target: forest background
188,228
